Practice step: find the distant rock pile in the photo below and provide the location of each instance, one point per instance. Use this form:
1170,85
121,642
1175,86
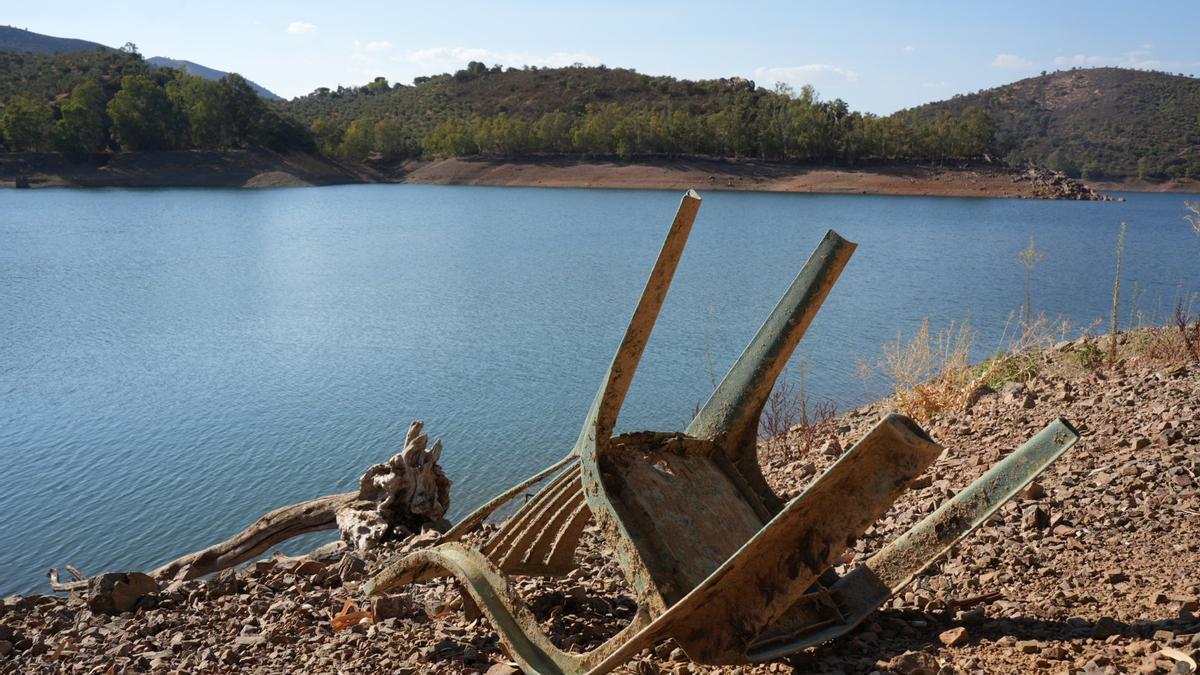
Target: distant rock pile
1049,184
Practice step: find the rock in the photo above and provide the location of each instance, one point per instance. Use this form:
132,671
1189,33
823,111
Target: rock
6,647
250,640
954,637
308,568
389,607
1034,492
1035,518
503,669
116,592
1105,627
1115,576
352,568
1029,647
1013,392
913,663
832,448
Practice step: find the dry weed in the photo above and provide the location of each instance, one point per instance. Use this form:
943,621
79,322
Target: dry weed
788,414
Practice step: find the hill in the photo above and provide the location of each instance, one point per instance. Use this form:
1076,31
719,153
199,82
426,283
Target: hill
592,112
21,40
1100,122
208,74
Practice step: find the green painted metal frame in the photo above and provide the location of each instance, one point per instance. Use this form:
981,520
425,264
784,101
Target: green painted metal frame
764,600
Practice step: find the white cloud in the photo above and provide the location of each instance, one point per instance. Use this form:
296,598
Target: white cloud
1011,61
377,47
938,84
301,28
436,60
1137,58
909,49
808,73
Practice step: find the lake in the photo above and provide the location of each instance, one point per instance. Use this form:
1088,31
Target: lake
174,363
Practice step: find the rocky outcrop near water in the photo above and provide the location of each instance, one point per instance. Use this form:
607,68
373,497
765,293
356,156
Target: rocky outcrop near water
1047,184
1092,569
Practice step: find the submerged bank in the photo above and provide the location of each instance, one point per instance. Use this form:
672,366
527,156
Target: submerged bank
256,168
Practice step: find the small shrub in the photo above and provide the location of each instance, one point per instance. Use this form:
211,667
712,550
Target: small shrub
1088,356
1005,367
788,410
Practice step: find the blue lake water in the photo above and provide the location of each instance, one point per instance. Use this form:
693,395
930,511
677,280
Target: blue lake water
174,363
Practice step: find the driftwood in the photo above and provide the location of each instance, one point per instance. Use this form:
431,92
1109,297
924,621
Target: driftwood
394,499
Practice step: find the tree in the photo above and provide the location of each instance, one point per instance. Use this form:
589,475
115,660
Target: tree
206,109
27,125
142,115
84,123
1058,161
359,139
392,138
245,107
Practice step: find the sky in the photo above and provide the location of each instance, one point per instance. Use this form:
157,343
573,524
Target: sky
878,56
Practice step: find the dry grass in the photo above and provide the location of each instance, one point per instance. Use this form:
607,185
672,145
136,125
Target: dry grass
931,372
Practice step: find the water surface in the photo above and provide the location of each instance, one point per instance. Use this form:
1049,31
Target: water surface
174,363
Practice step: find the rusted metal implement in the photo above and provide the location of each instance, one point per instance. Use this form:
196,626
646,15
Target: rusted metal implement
715,559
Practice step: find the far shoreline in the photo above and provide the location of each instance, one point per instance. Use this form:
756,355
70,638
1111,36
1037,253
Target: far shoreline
254,168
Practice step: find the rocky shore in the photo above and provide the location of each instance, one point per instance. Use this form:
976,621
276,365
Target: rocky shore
1093,569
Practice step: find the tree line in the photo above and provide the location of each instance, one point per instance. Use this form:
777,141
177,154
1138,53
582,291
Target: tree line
782,125
161,110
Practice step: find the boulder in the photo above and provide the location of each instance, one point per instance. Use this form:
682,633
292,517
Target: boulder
119,592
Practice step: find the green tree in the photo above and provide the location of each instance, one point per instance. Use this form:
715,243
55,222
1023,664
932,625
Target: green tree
84,123
1059,161
27,125
206,109
358,140
142,115
392,138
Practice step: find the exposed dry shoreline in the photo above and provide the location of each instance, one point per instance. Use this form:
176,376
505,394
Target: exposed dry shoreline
260,169
707,174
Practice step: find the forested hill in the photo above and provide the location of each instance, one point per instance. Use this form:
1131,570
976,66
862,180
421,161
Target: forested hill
20,40
102,100
1099,122
603,112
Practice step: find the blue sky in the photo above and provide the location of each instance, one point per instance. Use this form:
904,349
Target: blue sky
878,56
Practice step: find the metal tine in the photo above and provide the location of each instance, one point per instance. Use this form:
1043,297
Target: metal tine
602,416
